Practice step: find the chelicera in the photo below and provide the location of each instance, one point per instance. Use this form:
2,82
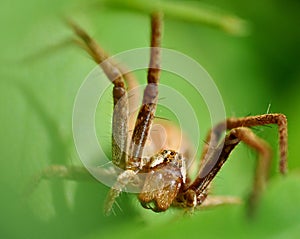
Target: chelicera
168,183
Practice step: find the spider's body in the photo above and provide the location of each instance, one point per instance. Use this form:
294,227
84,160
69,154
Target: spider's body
168,182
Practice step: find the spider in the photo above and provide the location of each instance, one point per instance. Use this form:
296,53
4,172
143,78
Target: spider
168,183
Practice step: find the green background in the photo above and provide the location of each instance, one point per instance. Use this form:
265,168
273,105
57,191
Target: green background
38,88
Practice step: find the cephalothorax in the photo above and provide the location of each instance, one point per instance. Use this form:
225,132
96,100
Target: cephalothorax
167,182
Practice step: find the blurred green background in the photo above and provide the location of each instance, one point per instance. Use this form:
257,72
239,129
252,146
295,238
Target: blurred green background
38,89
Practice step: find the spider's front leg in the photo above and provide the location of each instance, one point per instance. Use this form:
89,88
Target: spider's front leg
214,135
145,116
147,111
114,74
215,155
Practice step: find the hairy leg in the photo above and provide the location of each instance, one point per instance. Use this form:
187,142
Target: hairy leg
213,201
145,116
72,173
218,157
147,111
120,114
125,178
214,135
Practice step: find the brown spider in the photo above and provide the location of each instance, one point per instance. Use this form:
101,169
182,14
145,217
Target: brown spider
168,182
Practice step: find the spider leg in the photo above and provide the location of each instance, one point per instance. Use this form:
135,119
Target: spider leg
119,75
214,135
144,118
218,157
62,172
127,177
147,111
120,115
263,164
213,201
115,75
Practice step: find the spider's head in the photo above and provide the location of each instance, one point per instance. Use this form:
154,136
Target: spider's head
170,157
